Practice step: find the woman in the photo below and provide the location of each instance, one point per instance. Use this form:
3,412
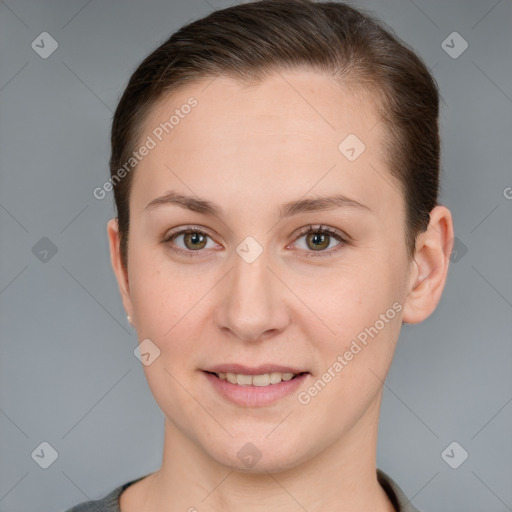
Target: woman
275,167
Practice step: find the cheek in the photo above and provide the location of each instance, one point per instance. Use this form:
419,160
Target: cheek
169,304
161,295
350,298
359,324
356,358
164,303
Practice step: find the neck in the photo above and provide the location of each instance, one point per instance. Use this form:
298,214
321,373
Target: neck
342,478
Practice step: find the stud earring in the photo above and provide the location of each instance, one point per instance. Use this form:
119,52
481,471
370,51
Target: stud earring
129,318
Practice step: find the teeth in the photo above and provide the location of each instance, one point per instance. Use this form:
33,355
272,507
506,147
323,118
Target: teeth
256,380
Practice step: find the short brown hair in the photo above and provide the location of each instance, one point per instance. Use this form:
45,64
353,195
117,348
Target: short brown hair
248,41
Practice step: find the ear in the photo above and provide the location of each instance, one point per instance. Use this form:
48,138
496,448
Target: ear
430,267
119,269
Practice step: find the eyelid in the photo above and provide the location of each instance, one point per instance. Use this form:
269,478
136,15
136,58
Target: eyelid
186,228
322,229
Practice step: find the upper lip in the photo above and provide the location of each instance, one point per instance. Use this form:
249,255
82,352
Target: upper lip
252,370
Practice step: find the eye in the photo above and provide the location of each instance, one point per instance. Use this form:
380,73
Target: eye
318,239
192,240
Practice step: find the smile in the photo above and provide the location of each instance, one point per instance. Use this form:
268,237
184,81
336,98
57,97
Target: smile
255,390
265,379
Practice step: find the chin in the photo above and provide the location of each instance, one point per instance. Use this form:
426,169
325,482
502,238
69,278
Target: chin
258,457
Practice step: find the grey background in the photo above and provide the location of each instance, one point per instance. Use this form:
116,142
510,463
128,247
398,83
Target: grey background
68,374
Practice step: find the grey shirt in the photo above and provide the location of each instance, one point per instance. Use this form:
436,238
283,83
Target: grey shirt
110,503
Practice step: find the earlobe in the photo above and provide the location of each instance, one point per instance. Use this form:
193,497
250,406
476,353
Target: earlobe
120,271
430,267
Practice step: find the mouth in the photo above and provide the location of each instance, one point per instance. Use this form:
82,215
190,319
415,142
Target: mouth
259,380
255,387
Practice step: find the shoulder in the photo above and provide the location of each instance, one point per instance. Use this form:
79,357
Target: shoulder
396,495
109,503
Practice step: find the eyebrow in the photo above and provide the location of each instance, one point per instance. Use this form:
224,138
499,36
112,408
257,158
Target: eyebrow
314,204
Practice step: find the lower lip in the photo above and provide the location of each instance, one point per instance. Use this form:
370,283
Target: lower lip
255,396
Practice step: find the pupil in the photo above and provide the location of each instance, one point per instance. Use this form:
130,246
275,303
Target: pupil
319,240
194,239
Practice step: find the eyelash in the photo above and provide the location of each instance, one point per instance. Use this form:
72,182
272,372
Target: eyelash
318,229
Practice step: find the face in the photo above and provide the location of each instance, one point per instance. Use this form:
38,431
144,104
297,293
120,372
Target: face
259,283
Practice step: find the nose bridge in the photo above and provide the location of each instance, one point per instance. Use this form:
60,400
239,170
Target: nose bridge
252,304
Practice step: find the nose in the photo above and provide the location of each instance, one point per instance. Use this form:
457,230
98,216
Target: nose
253,303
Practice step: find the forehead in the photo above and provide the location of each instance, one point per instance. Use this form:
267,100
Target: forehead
290,133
